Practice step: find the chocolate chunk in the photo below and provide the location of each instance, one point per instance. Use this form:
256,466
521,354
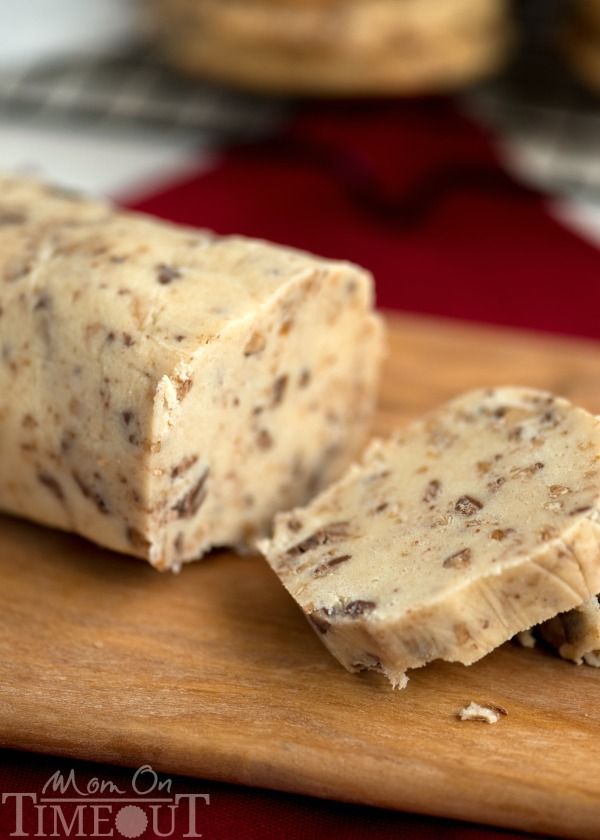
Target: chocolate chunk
334,532
190,504
132,426
67,440
279,387
555,491
549,418
432,491
183,466
324,568
11,217
467,505
335,561
91,493
459,560
256,344
304,379
43,302
51,484
264,439
354,609
137,539
320,620
167,273
183,387
531,469
500,534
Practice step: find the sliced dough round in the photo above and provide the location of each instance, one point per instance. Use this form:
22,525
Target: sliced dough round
473,524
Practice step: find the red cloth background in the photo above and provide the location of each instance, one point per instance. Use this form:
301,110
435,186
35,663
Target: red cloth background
414,192
239,813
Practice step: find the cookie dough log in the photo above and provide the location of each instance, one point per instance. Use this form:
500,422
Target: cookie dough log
163,390
335,47
471,525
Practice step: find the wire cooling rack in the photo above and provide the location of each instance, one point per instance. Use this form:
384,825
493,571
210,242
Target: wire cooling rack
132,91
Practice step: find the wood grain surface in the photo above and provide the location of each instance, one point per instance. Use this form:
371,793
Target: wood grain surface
216,673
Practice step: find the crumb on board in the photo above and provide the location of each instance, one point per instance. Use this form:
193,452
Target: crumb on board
526,639
488,713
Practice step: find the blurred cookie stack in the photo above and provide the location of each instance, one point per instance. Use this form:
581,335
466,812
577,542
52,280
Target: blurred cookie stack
582,42
336,47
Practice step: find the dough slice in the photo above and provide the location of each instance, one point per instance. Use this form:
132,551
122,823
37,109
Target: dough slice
471,525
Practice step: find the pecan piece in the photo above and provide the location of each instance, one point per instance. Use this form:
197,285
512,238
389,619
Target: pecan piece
334,532
190,504
467,505
459,560
167,273
324,568
51,484
432,491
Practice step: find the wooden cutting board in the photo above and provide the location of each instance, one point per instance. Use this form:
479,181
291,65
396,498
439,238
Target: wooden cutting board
216,673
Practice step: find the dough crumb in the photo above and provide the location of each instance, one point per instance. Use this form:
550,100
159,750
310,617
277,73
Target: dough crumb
526,639
486,714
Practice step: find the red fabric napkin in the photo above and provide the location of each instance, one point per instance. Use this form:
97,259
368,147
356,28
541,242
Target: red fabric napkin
415,192
232,813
